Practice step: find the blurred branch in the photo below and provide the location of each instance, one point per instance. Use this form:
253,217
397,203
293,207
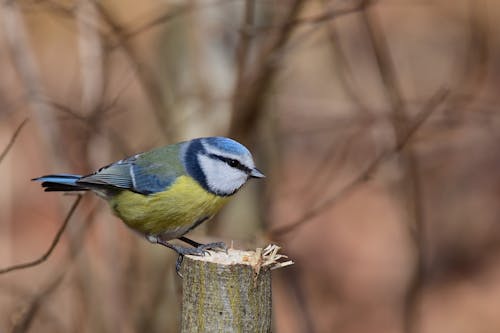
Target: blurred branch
329,15
115,36
399,117
410,183
160,106
364,175
35,304
296,286
327,166
25,64
243,48
343,67
12,139
153,309
312,20
385,66
92,123
52,246
249,98
246,29
82,275
90,56
476,61
170,14
474,69
23,323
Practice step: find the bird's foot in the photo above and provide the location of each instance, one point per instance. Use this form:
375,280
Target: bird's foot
209,246
213,246
198,250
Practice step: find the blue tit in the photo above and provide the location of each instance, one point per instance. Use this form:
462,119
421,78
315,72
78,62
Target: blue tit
168,191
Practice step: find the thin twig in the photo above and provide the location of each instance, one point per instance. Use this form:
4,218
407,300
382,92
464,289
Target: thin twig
297,288
160,106
327,166
473,73
428,109
313,20
332,14
12,139
342,66
55,241
243,48
29,312
91,56
270,60
249,98
94,126
23,58
170,15
162,19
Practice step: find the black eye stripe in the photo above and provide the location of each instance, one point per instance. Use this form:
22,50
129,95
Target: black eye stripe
231,162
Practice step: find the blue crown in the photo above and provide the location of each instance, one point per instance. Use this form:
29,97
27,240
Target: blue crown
228,145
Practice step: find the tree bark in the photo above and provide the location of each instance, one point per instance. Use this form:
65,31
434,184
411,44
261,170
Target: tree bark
227,292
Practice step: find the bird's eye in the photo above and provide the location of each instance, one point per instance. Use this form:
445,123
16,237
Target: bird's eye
233,163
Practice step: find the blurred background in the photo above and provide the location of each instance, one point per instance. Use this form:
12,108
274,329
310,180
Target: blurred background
375,121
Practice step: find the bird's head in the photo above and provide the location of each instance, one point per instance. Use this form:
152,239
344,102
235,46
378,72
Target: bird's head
221,165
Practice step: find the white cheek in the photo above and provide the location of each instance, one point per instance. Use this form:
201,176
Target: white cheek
221,178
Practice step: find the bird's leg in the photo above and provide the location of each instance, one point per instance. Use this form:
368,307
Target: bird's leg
181,251
198,249
209,246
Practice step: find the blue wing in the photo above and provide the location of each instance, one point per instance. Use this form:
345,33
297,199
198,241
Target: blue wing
146,173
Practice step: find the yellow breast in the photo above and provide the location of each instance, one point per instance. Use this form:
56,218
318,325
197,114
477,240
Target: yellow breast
172,212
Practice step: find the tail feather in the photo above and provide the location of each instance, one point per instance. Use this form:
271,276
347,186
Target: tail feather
60,182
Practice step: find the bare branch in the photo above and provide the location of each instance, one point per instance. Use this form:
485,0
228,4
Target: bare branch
162,19
52,246
28,314
428,109
332,14
169,15
160,106
342,66
91,56
243,48
26,66
249,98
12,139
312,20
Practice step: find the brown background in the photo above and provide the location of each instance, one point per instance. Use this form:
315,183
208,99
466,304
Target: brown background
376,123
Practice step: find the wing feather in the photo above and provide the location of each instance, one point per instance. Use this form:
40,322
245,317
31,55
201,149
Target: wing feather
146,173
114,175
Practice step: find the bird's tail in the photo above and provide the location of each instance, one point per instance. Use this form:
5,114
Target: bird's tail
60,182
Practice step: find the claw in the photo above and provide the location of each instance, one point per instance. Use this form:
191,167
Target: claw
178,265
214,246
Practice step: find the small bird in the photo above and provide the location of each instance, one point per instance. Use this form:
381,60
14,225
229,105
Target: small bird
168,191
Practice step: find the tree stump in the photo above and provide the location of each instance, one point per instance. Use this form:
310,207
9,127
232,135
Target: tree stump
229,292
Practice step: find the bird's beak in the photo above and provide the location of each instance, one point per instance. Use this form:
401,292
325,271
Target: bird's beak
255,173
